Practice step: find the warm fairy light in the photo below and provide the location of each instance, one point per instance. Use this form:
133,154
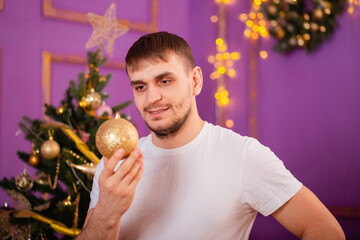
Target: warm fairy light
218,1
254,35
322,29
231,72
351,10
214,19
214,75
219,57
211,59
219,41
226,1
260,15
243,17
252,15
235,55
229,64
262,23
224,101
247,33
221,70
229,123
222,48
255,28
306,37
263,54
226,56
306,25
257,2
249,23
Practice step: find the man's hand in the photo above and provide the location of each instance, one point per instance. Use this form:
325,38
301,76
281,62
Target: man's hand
116,192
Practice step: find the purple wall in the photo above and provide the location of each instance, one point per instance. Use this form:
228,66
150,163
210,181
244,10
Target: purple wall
309,106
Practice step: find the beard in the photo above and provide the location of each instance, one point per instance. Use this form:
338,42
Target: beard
164,132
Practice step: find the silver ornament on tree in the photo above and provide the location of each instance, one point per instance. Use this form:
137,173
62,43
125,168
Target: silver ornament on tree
24,181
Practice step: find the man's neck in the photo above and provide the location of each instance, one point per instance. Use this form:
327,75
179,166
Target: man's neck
186,134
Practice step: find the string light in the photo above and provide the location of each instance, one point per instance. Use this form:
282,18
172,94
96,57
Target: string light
255,25
229,123
263,54
351,6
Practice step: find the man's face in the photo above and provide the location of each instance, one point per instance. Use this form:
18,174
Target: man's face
163,94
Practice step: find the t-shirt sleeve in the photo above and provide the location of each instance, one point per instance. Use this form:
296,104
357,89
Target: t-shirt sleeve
267,183
94,194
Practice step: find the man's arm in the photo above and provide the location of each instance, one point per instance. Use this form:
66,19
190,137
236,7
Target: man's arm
116,192
306,217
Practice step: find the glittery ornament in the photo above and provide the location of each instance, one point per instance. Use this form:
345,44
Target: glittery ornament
93,99
24,181
115,134
50,149
34,160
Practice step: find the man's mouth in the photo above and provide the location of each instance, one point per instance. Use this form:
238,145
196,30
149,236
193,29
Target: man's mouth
157,111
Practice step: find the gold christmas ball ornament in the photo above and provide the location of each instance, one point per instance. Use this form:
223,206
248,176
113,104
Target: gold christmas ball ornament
50,149
24,181
92,99
115,134
34,160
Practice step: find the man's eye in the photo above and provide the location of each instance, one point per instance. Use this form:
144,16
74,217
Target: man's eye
139,87
164,82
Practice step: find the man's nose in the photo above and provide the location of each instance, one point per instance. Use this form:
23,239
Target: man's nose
153,95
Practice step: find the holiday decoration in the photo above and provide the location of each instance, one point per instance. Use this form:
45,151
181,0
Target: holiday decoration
115,134
223,62
68,137
24,181
295,27
92,99
105,28
102,109
50,149
34,160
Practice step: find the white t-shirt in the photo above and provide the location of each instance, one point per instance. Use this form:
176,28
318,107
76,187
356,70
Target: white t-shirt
210,188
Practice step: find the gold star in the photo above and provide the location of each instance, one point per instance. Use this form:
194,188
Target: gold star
105,28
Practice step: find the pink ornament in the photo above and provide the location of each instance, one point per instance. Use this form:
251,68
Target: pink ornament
83,135
102,109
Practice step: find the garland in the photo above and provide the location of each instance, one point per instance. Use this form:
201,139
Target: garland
296,27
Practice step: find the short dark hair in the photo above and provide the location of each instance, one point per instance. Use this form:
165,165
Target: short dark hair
156,46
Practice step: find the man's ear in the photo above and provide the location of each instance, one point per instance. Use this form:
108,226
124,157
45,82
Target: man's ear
197,80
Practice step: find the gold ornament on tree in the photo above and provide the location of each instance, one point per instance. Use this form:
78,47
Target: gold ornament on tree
24,181
50,149
34,159
115,134
92,99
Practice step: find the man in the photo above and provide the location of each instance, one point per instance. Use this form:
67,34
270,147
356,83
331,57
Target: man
190,179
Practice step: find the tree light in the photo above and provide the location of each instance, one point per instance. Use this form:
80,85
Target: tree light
219,41
263,54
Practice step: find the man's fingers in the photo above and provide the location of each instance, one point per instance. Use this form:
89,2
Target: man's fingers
137,177
129,177
110,164
127,165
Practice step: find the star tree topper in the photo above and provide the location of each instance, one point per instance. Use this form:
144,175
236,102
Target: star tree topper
105,29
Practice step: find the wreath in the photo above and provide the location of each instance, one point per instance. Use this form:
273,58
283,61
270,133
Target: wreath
295,26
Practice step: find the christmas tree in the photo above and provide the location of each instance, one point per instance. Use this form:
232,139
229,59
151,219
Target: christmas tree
54,204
